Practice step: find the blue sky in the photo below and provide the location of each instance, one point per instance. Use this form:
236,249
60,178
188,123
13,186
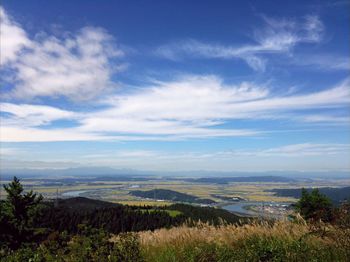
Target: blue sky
175,86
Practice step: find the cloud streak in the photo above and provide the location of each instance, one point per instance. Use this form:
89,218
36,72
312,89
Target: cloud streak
288,157
33,115
189,107
322,62
277,37
297,150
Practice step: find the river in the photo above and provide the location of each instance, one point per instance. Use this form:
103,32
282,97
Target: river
241,207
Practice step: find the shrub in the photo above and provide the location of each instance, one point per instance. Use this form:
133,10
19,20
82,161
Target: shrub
126,248
314,206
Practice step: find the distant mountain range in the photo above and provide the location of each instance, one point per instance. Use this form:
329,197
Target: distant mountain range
95,171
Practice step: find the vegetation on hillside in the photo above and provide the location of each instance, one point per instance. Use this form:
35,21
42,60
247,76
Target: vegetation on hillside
166,194
279,241
315,206
116,218
214,216
27,220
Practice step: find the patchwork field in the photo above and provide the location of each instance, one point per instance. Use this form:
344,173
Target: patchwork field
118,190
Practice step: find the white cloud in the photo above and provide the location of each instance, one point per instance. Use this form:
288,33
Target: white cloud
190,107
204,102
278,36
337,96
36,134
33,115
25,134
13,39
179,96
78,67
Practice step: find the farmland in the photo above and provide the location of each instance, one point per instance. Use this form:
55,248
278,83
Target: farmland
118,189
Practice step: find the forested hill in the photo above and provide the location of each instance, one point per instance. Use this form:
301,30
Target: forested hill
116,218
335,194
165,194
83,203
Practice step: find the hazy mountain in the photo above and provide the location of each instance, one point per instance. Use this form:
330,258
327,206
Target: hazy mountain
96,171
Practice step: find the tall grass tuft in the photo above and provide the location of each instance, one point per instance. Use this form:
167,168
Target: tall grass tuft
256,241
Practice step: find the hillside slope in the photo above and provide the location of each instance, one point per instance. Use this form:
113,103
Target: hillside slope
116,218
166,194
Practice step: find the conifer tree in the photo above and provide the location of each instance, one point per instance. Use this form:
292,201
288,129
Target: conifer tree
17,214
314,206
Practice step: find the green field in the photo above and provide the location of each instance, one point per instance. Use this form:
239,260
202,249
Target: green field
172,213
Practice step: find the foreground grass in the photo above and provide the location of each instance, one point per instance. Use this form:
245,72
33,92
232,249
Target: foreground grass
282,241
279,241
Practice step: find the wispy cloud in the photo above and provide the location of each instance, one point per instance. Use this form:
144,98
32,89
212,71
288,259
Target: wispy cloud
297,150
9,151
189,107
163,158
78,67
33,115
278,36
13,164
25,134
321,62
325,119
125,154
302,157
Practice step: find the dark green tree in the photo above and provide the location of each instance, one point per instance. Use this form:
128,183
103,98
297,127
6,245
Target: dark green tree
314,206
17,214
342,215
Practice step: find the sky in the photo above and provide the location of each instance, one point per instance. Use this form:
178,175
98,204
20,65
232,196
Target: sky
175,85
